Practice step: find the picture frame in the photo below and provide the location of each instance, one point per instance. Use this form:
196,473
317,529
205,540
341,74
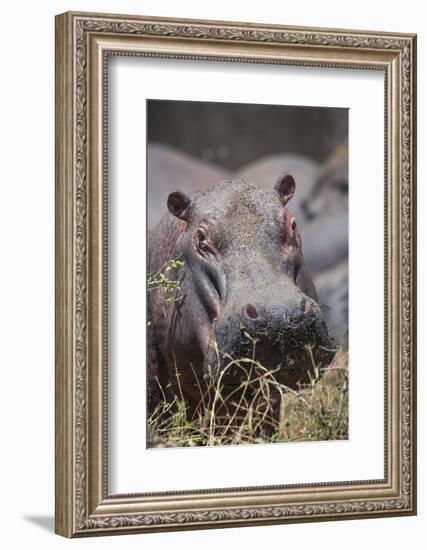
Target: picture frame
84,42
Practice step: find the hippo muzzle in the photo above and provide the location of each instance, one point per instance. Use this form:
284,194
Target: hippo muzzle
287,336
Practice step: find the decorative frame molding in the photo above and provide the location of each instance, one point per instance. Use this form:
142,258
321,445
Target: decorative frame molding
83,43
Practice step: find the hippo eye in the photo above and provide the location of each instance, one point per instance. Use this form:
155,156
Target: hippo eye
292,238
294,225
202,240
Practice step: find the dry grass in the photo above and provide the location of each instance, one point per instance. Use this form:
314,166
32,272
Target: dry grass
259,409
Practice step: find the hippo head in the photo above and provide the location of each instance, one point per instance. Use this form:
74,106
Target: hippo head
244,278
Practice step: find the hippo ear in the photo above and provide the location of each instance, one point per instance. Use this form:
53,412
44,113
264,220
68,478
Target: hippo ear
179,205
285,186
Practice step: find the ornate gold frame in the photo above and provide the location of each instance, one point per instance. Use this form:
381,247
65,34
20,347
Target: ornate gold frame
83,42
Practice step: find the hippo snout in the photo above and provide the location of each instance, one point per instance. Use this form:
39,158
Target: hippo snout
280,332
256,315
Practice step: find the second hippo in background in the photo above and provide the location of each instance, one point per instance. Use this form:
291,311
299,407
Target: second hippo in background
326,235
325,210
329,194
332,290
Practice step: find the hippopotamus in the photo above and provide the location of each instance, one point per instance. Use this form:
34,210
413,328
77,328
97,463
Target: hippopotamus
326,214
326,241
329,193
332,289
242,274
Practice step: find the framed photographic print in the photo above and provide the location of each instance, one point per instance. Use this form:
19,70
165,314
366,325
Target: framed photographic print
235,274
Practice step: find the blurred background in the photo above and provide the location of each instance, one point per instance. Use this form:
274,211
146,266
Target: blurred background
232,135
193,144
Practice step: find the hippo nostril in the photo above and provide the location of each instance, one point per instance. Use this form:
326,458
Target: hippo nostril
303,312
308,308
250,311
305,305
